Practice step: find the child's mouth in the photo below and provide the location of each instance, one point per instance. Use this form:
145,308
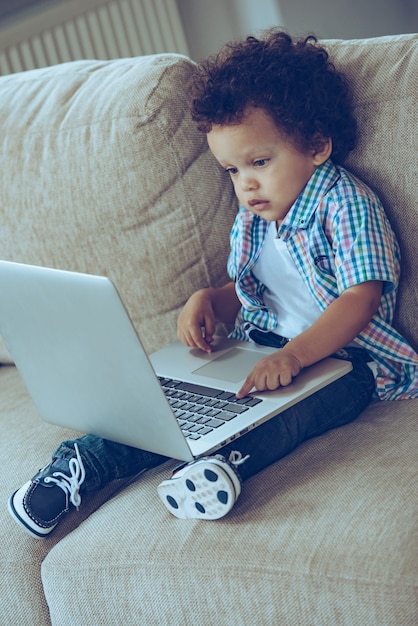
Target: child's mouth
259,205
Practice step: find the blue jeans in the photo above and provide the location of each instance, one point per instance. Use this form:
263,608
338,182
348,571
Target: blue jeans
337,404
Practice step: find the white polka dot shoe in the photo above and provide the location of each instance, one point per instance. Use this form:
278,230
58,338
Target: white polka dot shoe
203,489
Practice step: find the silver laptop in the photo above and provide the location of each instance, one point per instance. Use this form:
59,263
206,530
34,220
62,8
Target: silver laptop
85,368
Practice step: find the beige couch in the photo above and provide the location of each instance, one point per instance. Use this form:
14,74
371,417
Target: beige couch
102,171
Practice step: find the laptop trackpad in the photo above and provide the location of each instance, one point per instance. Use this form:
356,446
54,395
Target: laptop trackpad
232,366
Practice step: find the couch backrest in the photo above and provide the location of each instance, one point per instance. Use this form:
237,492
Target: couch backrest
384,75
102,170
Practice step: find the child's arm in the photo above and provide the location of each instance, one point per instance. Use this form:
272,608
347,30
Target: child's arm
338,325
197,320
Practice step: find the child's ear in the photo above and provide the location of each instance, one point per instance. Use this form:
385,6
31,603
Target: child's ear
322,153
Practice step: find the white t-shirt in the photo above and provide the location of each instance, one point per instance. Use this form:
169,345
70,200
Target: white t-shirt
285,293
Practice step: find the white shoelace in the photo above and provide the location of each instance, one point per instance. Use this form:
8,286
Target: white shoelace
71,484
236,458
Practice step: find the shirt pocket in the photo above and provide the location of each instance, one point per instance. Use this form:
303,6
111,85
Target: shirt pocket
325,264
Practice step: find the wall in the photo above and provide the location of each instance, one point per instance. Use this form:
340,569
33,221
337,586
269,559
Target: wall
210,24
350,19
65,30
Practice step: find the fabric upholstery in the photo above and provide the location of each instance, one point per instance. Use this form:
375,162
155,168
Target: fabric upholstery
26,445
384,76
326,534
102,171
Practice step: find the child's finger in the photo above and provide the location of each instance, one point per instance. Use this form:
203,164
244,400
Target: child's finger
246,387
198,339
209,328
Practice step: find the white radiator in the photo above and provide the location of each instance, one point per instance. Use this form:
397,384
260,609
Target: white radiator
91,29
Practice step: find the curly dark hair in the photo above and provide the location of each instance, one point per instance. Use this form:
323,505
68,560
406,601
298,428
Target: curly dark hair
293,80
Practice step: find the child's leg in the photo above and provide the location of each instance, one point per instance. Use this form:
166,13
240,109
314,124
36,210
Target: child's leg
106,460
89,463
77,466
337,404
191,494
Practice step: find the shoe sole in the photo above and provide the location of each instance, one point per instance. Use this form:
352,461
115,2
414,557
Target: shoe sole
19,514
201,490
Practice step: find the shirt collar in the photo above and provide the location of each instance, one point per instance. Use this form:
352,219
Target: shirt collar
321,181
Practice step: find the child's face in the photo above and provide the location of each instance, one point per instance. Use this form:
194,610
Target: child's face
267,170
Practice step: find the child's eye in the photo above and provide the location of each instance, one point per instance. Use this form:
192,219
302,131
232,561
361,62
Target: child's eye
260,162
231,170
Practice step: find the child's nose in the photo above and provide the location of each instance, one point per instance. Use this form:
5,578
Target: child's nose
248,183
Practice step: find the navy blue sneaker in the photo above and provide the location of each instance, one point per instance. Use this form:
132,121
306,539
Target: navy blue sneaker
42,502
203,489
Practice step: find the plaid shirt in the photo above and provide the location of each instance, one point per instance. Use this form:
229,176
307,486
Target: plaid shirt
338,236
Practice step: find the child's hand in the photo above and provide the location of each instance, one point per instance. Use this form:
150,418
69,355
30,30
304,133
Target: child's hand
275,370
196,322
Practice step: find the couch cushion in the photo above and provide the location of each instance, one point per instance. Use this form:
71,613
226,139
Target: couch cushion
328,531
102,171
26,444
326,536
384,76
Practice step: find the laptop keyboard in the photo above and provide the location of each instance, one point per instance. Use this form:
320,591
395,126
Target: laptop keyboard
199,409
